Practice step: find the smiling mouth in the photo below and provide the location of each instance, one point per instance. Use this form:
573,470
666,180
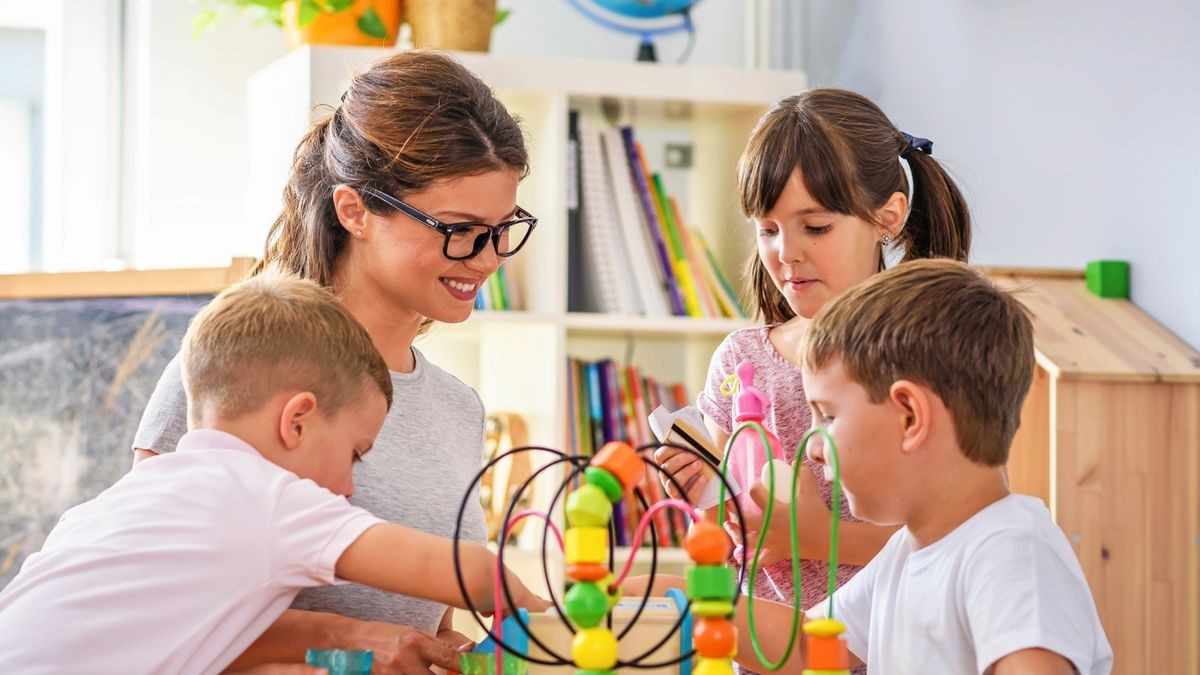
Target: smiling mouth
461,289
801,284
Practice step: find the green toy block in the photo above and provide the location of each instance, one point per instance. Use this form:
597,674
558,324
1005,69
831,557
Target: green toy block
711,582
1108,278
588,506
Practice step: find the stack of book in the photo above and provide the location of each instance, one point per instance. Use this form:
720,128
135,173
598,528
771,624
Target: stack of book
632,251
609,402
499,293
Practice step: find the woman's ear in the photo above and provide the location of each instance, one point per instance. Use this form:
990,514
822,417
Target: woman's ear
892,214
912,403
350,209
296,418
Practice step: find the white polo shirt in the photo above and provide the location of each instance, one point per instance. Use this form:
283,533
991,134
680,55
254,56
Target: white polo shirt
176,568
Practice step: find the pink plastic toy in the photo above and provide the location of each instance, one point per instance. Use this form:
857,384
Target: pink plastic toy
749,457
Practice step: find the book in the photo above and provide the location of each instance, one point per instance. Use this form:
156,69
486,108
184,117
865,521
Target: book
603,288
641,181
629,221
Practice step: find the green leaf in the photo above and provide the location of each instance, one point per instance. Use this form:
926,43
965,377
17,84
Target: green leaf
372,25
334,6
309,9
202,22
501,15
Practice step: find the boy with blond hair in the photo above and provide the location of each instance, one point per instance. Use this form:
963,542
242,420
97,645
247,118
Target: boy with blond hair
188,558
918,374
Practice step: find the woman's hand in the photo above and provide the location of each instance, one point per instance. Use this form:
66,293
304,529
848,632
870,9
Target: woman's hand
403,650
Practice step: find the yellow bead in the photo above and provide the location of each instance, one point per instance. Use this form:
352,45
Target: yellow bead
594,649
707,608
587,545
824,628
706,666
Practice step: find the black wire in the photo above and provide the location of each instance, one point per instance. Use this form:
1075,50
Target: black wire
458,573
581,463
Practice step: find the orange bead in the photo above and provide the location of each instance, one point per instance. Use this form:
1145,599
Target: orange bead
707,544
587,572
622,461
827,653
715,638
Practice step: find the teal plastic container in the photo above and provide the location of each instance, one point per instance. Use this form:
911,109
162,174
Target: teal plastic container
341,661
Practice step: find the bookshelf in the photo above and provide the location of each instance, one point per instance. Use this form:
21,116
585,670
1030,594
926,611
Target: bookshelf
517,360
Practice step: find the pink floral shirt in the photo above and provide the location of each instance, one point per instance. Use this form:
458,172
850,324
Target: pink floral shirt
788,417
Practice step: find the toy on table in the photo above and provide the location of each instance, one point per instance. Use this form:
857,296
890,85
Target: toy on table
611,475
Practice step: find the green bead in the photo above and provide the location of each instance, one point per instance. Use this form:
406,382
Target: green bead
586,604
604,480
1108,278
588,506
711,582
707,608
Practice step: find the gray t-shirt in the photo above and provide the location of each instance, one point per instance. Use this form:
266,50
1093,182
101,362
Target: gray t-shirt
426,454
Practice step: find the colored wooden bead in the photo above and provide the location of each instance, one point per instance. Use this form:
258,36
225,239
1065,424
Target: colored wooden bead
586,545
588,506
711,582
594,649
586,604
715,638
604,480
587,571
707,608
707,666
707,544
622,461
826,649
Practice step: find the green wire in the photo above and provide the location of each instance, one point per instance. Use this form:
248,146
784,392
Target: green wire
793,530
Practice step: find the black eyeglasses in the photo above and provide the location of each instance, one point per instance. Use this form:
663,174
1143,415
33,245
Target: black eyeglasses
464,241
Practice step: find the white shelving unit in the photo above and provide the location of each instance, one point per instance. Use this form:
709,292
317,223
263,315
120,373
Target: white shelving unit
517,360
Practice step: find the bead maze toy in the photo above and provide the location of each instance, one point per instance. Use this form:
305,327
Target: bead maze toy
587,608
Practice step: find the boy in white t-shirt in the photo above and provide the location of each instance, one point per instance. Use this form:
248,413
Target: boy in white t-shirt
919,374
181,564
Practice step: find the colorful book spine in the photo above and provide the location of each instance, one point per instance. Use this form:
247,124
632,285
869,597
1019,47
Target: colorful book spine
645,196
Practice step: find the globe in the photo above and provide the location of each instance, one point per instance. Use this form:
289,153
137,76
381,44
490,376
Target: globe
644,18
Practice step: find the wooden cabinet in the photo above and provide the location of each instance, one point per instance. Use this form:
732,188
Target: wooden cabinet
1110,439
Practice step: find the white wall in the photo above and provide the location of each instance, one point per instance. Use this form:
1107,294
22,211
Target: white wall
21,105
1072,125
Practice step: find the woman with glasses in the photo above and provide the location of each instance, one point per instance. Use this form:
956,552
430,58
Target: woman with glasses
403,201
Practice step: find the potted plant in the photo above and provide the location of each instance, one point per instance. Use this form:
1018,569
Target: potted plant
373,23
453,24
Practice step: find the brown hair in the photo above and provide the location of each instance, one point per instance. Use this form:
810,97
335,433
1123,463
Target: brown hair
276,332
943,325
847,152
411,119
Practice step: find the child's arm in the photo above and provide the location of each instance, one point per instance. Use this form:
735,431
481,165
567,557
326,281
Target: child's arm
1033,662
411,562
395,646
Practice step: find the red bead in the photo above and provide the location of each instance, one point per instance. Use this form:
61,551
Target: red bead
715,638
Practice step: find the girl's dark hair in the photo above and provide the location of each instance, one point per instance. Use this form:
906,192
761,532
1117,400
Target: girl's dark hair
411,119
847,152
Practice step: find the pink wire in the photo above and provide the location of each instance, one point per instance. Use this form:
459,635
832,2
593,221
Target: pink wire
641,531
498,609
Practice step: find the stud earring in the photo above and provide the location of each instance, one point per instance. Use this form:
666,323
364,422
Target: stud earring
358,232
887,238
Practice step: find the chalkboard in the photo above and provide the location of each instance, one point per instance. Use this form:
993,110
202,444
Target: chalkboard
75,376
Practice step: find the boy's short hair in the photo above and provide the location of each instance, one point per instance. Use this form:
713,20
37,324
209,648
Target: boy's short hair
276,332
943,325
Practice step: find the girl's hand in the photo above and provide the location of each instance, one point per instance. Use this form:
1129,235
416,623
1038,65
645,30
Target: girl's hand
812,523
525,598
686,469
